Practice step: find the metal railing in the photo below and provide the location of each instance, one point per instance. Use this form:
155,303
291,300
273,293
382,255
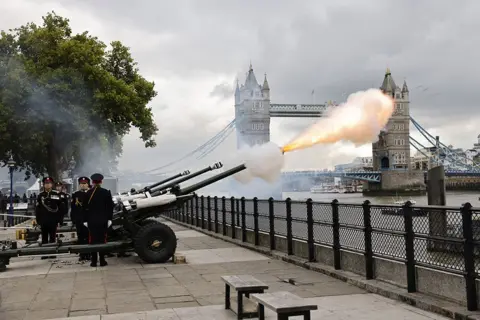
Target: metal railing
436,237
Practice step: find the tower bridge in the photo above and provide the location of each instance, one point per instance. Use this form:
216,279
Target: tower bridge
392,168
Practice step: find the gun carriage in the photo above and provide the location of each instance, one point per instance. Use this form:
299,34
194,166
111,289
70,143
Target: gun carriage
134,228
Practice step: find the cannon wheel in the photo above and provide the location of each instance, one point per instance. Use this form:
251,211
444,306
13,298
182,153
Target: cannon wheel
147,222
155,243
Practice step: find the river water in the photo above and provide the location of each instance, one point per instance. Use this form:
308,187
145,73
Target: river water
454,198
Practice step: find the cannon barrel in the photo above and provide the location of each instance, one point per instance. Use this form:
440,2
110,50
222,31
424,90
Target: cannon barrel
159,190
150,187
209,181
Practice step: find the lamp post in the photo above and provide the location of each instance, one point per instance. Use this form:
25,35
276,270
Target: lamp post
72,164
11,165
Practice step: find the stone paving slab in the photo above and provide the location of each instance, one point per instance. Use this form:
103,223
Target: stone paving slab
358,306
34,289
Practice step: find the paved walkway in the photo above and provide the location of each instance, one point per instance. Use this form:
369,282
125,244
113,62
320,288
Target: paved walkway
34,289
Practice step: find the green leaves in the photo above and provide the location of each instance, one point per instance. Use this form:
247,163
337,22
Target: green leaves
62,94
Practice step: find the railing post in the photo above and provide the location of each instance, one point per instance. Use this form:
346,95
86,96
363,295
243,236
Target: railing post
244,224
288,209
237,211
209,214
255,222
336,235
185,213
232,209
271,220
202,208
469,256
409,247
191,211
196,211
310,239
367,231
215,214
224,216
182,210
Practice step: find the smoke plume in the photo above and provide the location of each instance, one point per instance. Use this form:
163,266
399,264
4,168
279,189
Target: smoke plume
358,120
262,161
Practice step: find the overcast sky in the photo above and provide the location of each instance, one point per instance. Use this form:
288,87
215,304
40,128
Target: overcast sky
194,51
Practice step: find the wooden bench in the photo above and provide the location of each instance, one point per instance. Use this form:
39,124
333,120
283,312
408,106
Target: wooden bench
284,303
244,285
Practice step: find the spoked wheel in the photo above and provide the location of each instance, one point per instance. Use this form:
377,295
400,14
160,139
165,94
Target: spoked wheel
155,243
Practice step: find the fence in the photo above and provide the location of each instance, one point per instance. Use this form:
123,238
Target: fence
432,238
21,212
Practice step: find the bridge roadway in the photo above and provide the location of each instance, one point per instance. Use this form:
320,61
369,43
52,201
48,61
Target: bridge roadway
127,289
371,176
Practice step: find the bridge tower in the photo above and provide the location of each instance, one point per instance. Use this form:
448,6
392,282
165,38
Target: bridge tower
252,124
391,153
252,111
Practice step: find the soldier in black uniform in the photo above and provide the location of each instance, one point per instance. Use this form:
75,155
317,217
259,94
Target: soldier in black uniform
47,211
63,202
76,213
98,215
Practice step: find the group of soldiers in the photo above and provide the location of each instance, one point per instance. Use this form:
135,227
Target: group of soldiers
91,212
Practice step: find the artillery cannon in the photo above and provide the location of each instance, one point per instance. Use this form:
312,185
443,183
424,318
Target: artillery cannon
133,226
32,235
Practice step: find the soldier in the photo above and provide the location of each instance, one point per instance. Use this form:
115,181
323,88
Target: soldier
98,215
76,213
63,202
47,211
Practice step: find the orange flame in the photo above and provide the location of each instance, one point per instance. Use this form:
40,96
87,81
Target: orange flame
359,120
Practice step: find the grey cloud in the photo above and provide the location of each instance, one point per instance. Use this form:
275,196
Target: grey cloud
222,91
334,47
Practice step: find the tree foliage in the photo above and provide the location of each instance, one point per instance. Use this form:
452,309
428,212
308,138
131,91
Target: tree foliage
65,95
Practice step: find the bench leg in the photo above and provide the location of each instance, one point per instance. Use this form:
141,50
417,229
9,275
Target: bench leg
285,316
261,312
239,305
227,296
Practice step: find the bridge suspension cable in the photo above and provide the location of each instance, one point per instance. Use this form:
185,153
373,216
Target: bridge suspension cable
418,146
220,134
451,155
219,141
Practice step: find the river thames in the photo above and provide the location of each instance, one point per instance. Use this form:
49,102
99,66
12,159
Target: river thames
454,198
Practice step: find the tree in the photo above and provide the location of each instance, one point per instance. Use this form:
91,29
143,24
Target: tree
63,95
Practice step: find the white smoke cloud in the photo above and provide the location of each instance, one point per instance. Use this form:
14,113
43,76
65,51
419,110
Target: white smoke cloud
262,161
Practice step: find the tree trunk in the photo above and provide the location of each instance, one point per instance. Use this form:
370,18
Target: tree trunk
52,163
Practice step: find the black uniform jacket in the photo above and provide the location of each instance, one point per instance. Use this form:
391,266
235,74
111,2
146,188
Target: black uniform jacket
63,203
78,199
98,207
47,209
